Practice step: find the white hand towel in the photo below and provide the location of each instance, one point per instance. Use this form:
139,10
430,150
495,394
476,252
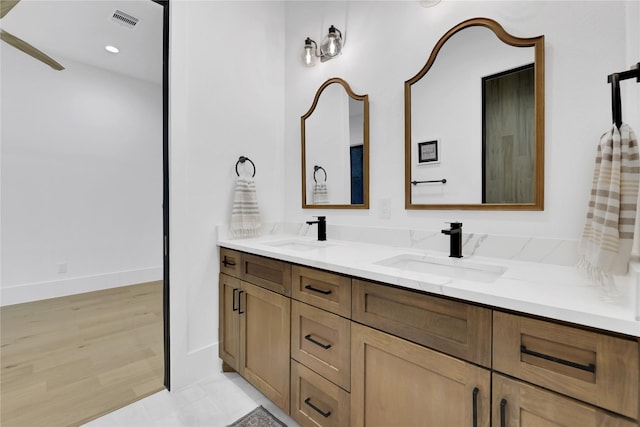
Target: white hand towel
245,215
320,193
607,238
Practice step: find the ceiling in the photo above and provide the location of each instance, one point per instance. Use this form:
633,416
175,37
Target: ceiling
79,30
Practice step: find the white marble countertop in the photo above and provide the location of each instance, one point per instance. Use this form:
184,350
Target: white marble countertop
552,291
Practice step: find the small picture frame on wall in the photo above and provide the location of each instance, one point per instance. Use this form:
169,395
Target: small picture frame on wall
429,152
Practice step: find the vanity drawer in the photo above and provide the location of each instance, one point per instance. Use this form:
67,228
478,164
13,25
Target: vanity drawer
322,341
329,291
316,401
269,273
588,365
452,327
230,262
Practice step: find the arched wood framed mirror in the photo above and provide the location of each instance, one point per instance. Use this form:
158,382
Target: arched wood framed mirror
335,149
474,122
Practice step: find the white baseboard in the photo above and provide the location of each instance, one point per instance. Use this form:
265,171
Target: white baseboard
76,285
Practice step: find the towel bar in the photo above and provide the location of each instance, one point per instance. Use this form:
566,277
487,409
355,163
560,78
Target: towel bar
616,102
242,159
444,181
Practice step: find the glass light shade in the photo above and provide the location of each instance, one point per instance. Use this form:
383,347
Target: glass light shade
332,44
309,57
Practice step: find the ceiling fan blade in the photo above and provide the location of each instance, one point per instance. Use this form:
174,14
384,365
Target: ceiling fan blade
6,6
29,50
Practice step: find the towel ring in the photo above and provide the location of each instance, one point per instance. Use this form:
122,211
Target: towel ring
242,159
315,170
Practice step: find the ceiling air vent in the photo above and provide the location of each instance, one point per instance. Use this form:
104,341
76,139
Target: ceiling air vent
124,19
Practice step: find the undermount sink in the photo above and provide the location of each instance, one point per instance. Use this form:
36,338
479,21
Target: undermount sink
298,244
449,267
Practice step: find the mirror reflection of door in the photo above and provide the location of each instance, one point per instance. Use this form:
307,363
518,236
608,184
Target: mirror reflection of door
357,175
507,136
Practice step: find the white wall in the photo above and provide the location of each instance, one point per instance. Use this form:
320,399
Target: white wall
387,42
227,100
81,179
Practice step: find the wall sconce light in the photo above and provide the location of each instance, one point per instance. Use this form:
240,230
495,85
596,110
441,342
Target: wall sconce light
330,47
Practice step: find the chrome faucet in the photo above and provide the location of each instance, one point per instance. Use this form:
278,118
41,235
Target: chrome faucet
322,227
455,245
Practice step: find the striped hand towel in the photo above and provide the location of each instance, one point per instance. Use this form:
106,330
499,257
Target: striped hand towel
245,215
605,246
320,194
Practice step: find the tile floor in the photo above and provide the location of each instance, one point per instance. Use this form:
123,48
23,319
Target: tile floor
215,401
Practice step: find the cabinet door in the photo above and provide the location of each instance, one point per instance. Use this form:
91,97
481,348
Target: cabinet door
517,404
229,321
265,324
399,383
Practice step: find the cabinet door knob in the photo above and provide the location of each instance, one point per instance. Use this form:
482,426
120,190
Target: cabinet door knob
233,304
503,413
476,390
311,288
318,343
315,408
589,368
240,302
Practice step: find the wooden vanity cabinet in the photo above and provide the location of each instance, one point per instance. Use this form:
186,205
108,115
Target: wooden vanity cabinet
399,383
333,350
255,322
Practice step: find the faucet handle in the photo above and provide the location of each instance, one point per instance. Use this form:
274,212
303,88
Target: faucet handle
454,224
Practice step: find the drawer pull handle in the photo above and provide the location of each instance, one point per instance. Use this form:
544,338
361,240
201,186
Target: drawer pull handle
589,368
318,343
503,413
228,263
234,306
476,390
311,288
315,408
239,302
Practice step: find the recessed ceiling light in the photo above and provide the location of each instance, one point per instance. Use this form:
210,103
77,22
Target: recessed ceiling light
112,49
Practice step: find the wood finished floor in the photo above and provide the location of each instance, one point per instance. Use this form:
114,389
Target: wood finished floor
68,360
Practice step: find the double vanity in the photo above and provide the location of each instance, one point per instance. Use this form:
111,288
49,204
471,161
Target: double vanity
344,333
341,333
